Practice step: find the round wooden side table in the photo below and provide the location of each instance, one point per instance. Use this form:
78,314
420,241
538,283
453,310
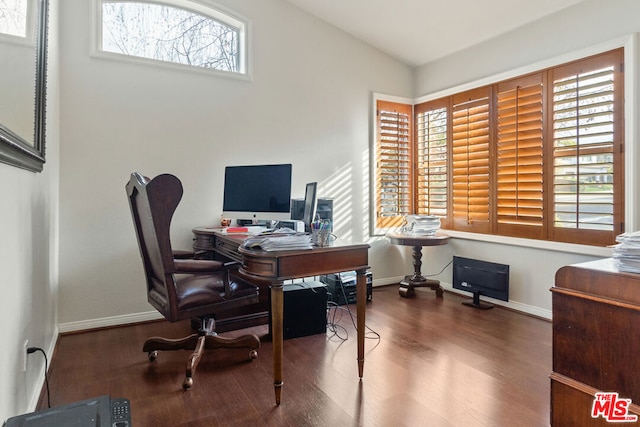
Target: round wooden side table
417,280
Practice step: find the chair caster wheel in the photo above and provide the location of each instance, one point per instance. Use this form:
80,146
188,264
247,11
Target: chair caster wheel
188,382
153,355
253,355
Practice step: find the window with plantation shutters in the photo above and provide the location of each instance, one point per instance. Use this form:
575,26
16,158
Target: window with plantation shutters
432,163
393,160
586,144
470,161
540,156
519,164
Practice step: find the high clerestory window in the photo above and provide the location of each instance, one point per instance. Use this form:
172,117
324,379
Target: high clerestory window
173,31
14,18
538,156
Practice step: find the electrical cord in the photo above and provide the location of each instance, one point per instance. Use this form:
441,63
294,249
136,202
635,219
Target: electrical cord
333,325
443,268
46,369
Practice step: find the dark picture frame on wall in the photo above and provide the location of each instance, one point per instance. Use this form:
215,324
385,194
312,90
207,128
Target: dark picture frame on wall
28,151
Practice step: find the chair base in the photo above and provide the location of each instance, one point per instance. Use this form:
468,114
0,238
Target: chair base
205,339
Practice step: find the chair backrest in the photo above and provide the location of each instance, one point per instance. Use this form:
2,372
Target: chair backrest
152,204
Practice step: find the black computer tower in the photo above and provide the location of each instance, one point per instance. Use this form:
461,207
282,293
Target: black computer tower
341,287
305,309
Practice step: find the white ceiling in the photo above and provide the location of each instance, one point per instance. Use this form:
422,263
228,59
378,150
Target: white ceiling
420,31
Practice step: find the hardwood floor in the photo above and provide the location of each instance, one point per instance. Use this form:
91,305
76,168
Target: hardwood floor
436,363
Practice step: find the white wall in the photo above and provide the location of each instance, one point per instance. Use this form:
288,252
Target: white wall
586,28
308,104
310,94
585,25
28,260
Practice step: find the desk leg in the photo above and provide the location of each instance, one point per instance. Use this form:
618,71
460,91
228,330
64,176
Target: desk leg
361,305
277,304
417,280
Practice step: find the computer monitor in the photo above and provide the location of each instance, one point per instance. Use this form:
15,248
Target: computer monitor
481,278
309,204
257,193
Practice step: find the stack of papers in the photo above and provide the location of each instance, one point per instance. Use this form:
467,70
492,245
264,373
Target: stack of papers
626,253
279,242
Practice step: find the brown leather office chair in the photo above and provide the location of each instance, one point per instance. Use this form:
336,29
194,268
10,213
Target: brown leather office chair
183,288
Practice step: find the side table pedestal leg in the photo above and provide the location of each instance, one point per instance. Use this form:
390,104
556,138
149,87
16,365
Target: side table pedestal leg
417,280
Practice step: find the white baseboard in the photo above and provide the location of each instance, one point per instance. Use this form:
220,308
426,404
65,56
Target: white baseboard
154,315
109,321
145,316
513,305
387,281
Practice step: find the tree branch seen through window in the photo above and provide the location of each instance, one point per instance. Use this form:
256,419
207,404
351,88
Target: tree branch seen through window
171,34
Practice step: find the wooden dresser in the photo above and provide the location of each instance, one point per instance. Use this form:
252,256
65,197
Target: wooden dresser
596,341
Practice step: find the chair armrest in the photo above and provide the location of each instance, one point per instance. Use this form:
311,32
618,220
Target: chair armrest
183,254
194,266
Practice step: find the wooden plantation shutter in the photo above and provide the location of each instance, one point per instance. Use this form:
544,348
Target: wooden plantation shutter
393,160
538,156
432,158
519,143
471,195
587,150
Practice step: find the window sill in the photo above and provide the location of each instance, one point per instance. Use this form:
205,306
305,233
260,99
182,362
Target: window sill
533,244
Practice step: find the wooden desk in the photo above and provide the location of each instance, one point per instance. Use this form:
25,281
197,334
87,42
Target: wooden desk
417,280
283,265
212,243
596,318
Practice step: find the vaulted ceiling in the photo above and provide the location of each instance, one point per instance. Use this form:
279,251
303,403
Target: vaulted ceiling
420,31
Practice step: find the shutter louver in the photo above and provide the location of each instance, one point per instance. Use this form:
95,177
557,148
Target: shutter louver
520,201
393,163
471,161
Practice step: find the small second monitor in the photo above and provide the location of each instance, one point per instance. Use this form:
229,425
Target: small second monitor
309,204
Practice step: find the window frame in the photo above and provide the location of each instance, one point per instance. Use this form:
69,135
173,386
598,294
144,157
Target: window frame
206,8
626,132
